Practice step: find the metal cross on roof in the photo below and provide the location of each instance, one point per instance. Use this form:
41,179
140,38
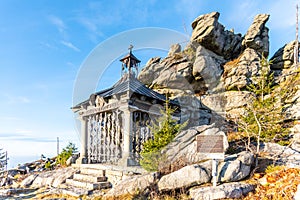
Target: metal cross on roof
130,48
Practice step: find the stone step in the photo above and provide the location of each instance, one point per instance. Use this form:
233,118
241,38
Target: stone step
110,172
89,178
88,185
89,171
75,192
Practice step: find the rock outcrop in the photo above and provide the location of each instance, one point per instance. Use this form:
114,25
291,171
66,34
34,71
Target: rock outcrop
28,181
235,167
186,177
283,155
193,111
257,37
231,103
175,48
174,72
292,109
240,72
49,178
184,144
214,63
209,33
283,57
132,186
208,67
151,71
224,191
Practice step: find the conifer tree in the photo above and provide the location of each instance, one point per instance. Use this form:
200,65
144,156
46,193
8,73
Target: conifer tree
66,153
264,116
164,131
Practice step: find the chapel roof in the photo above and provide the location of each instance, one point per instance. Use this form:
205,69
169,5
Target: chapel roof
128,83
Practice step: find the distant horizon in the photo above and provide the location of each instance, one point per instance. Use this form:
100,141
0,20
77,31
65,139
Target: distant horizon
14,161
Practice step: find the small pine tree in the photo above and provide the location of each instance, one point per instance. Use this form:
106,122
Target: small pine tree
164,131
264,115
66,153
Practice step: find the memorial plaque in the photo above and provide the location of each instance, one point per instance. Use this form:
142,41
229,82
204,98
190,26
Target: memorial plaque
210,143
213,147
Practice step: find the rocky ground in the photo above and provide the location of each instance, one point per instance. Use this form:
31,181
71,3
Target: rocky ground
192,181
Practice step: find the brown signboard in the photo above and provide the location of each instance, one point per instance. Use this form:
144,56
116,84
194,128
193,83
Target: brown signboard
210,143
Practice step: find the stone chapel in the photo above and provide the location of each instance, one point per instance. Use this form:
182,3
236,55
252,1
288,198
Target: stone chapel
115,121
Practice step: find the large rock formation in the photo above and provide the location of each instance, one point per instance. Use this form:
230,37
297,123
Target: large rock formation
234,168
151,71
208,67
287,76
186,177
257,37
174,72
210,78
214,62
240,72
208,32
284,57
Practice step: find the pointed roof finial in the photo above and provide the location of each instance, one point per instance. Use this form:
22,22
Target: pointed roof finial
130,48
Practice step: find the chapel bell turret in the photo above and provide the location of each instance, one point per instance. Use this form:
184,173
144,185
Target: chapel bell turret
130,63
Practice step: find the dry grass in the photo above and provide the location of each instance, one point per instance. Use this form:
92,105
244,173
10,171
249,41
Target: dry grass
167,168
280,183
122,197
233,62
234,136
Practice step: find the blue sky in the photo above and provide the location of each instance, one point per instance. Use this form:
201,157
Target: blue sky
45,42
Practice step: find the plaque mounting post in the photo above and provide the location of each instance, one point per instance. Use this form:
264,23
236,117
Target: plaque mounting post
214,172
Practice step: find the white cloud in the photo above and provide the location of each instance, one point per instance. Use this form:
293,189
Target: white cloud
60,25
70,45
88,23
91,25
71,64
11,99
48,45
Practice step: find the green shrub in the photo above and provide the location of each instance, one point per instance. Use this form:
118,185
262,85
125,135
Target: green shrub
273,168
48,165
66,153
150,160
164,131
